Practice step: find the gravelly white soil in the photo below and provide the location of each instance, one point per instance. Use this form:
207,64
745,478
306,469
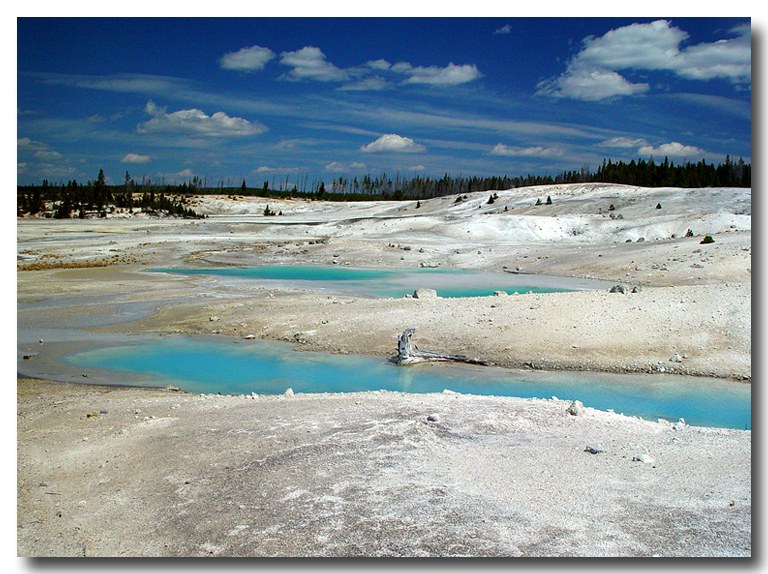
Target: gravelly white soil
159,473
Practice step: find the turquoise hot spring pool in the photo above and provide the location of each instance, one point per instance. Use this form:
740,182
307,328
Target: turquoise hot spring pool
226,366
391,282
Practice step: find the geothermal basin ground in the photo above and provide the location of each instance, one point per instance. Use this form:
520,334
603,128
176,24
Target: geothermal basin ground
121,471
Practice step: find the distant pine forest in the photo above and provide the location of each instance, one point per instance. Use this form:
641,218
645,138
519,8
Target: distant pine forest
98,199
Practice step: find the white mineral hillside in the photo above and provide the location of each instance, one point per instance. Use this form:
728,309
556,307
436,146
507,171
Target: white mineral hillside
579,213
583,224
608,231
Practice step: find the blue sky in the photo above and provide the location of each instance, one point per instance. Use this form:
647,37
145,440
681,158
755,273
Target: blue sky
311,99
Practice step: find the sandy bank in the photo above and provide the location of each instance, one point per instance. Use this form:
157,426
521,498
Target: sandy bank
708,327
137,472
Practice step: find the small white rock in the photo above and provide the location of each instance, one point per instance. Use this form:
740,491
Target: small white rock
644,458
576,408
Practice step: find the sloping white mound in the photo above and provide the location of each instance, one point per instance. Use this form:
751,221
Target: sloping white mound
578,213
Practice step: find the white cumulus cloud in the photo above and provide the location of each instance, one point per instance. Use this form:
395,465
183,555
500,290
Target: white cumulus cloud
624,142
401,67
247,59
338,166
283,170
532,151
450,75
135,158
47,154
184,173
309,63
651,46
380,64
593,73
672,149
731,59
393,143
30,144
197,122
591,85
39,152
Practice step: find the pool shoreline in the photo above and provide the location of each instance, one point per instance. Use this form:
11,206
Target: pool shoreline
54,362
377,282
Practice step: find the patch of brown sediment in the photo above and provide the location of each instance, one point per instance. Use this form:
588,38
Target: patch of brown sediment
106,471
58,263
45,265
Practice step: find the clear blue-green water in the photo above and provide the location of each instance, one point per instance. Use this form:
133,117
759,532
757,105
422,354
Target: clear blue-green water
389,282
230,367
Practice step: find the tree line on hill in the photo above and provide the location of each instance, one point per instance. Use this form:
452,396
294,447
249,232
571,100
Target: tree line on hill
97,199
665,174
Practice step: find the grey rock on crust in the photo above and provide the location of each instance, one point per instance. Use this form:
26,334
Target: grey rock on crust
576,408
422,293
644,458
